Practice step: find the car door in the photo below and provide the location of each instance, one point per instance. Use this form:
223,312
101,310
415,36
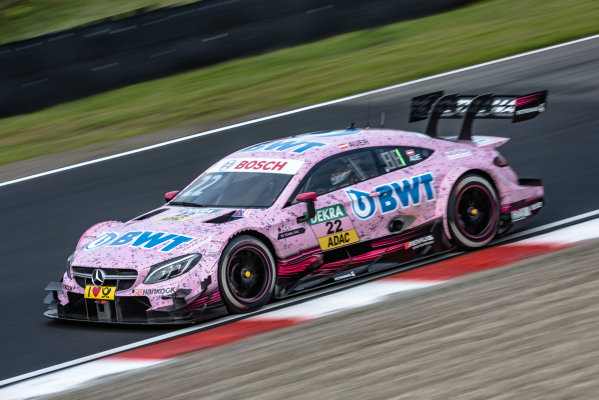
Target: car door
333,225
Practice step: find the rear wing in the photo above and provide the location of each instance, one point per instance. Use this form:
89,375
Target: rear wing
437,105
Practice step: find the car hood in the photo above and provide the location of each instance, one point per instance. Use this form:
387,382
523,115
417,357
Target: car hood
157,236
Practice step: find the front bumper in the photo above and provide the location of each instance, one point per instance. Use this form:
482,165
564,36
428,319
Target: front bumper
126,309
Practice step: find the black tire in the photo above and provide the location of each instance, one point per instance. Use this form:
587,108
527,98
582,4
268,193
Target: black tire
246,274
473,212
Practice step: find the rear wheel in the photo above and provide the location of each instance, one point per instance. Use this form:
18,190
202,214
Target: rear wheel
473,212
246,274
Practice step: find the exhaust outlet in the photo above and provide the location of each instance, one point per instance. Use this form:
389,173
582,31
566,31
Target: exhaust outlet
395,225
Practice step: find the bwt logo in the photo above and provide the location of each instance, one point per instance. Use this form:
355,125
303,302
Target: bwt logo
143,239
391,195
285,145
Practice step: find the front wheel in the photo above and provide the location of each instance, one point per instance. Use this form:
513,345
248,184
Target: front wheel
473,212
246,274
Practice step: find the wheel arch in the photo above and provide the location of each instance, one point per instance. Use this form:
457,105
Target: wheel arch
447,185
485,175
260,236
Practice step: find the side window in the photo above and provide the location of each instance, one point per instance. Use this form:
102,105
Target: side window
340,171
390,158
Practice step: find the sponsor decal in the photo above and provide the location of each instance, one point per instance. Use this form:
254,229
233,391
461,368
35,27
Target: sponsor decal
102,240
150,292
525,212
355,143
420,242
351,274
338,239
328,214
502,106
187,214
540,108
99,292
261,165
67,287
269,165
293,146
143,239
176,218
413,156
333,227
520,214
194,211
294,232
227,165
407,193
458,153
242,213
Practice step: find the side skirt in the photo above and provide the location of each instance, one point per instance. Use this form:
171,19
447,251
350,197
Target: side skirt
316,268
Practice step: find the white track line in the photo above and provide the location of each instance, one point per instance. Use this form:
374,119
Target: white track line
357,296
299,110
226,319
556,224
572,234
71,378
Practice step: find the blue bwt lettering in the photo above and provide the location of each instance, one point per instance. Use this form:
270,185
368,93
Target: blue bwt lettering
145,239
391,195
285,145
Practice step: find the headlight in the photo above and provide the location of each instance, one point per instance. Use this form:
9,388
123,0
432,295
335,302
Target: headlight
69,262
172,268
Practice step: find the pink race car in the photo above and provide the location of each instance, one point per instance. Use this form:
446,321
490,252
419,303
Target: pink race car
289,215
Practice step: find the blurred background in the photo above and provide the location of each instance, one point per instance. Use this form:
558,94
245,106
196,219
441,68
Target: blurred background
82,79
214,60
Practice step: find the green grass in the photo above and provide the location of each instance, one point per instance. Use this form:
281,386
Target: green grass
23,19
302,75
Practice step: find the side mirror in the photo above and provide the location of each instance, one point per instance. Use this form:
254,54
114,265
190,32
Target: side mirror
168,196
309,198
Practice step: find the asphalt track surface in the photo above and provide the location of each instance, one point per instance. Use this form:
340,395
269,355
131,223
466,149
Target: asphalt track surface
43,218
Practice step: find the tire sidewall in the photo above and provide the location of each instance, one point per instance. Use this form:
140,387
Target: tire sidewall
459,238
232,302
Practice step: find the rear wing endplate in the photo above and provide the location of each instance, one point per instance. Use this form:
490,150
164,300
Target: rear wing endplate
438,105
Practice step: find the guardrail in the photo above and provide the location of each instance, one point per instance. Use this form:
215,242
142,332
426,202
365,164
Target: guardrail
75,63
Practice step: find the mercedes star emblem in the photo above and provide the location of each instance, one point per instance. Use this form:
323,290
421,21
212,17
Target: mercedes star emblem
98,277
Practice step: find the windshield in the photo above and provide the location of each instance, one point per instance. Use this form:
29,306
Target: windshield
235,189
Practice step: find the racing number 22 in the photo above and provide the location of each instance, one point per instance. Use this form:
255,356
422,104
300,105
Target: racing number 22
336,229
